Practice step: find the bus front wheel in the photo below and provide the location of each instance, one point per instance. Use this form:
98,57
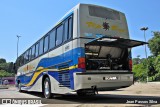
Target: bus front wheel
19,87
47,88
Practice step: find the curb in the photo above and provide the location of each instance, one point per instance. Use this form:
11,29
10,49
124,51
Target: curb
3,87
154,82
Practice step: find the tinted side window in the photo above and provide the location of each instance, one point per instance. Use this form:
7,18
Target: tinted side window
33,52
37,48
46,44
52,39
30,54
41,47
59,35
25,57
21,60
70,28
65,30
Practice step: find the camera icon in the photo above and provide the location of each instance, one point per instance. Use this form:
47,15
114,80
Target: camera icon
6,101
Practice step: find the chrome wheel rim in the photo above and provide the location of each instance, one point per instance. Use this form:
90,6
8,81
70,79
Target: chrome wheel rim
19,86
46,88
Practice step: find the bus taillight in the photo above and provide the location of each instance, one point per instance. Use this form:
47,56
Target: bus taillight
81,63
130,64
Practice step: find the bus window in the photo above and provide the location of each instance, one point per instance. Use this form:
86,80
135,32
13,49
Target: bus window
52,39
30,54
41,47
66,30
21,60
33,52
70,28
46,44
59,35
37,46
25,57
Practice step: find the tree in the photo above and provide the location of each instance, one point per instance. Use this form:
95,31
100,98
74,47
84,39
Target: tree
4,66
157,67
151,66
4,73
2,60
137,60
139,71
10,67
6,69
154,44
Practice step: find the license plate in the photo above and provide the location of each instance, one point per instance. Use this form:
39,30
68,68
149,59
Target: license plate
111,78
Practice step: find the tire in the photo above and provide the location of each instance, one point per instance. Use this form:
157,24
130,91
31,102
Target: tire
19,87
47,88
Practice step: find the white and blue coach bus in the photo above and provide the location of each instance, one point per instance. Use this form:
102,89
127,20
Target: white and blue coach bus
88,50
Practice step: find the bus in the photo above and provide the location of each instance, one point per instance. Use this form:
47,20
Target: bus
87,51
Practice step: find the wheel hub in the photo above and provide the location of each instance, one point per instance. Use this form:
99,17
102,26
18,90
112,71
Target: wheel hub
46,88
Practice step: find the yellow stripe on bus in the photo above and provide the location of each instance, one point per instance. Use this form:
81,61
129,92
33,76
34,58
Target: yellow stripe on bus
71,67
41,69
36,74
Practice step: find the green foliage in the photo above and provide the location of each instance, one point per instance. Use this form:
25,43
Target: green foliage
137,60
157,63
10,67
4,73
2,60
4,66
151,66
157,67
154,44
140,71
6,69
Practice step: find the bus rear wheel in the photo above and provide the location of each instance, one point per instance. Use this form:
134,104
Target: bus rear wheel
47,88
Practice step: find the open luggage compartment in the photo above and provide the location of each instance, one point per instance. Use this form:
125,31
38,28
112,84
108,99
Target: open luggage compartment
109,53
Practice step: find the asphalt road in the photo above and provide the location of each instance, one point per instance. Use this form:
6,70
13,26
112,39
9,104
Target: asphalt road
135,92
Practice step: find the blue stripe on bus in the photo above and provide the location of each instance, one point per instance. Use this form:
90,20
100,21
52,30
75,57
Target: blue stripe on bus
46,62
55,75
70,55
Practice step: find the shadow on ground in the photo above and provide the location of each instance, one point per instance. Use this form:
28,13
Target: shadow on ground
97,99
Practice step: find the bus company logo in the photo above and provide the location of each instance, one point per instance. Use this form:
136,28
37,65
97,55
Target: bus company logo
106,26
6,101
